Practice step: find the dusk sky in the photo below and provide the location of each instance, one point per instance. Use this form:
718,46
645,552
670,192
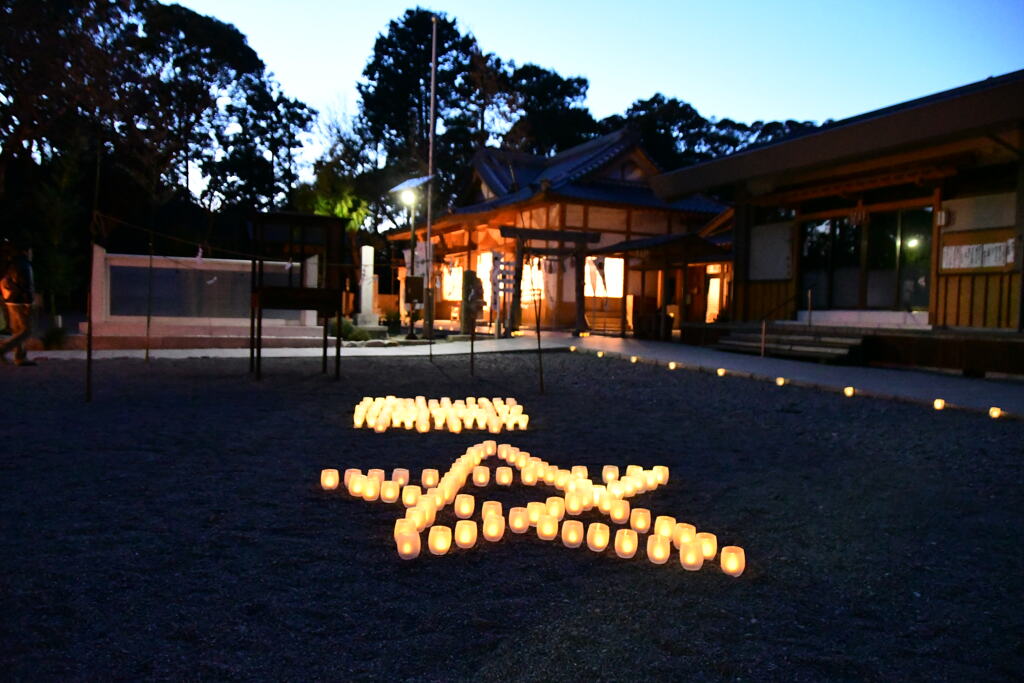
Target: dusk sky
747,60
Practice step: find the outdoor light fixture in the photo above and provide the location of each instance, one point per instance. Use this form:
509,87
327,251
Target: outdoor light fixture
913,243
672,365
600,354
733,560
391,412
465,533
389,491
493,528
547,528
518,520
439,540
464,504
691,556
780,381
572,349
329,479
659,548
995,413
633,359
938,404
721,372
597,536
572,533
625,543
849,392
640,520
708,544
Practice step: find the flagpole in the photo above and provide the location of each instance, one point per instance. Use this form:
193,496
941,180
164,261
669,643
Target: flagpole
428,323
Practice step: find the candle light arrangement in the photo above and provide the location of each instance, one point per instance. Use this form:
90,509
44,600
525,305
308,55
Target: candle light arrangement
382,413
329,479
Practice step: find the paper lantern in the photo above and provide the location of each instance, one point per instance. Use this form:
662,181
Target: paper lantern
528,475
555,507
403,525
721,372
609,473
938,404
439,539
572,533
550,473
328,479
625,543
464,504
481,475
619,511
418,517
708,544
597,536
349,473
572,349
672,365
640,520
429,478
534,510
633,359
423,425
664,525
579,471
494,425
503,476
355,485
410,495
408,544
357,418
490,507
651,480
995,413
493,527
733,560
659,548
465,533
780,381
547,528
490,447
377,474
573,503
633,470
371,488
683,533
518,520
400,475
389,491
662,473
524,422
600,354
849,392
691,557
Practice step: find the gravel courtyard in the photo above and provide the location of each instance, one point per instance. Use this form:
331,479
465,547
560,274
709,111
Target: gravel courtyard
175,528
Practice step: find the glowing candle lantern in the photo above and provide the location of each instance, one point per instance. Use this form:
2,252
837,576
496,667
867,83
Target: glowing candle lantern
672,365
651,480
625,543
494,425
634,470
659,548
528,475
429,478
417,517
597,536
439,420
938,404
358,417
518,520
440,539
349,473
403,525
389,491
733,560
550,473
572,533
524,422
640,520
408,544
617,489
410,495
721,372
423,425
382,424
562,478
848,392
534,510
464,504
490,507
329,479
493,527
619,511
633,359
683,533
573,503
579,471
356,484
609,473
780,381
708,544
481,475
400,475
465,533
662,473
555,506
547,528
600,354
454,424
503,476
691,557
572,349
605,502
995,413
376,474
664,525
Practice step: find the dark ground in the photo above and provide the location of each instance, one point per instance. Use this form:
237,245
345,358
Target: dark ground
174,528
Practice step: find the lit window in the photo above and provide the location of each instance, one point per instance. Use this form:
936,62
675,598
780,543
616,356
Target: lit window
606,281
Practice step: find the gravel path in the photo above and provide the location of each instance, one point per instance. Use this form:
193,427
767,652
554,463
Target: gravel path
174,528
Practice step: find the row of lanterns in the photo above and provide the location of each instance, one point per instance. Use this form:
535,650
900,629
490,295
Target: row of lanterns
580,494
385,412
938,404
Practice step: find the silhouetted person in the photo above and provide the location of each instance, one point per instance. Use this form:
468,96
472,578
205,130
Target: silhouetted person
16,291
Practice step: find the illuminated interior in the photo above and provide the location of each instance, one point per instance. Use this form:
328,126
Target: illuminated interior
484,263
606,282
451,282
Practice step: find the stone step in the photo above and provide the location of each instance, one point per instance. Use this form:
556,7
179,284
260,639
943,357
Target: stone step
789,350
808,339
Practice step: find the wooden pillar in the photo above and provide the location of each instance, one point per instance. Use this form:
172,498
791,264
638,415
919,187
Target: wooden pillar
741,259
933,274
516,313
1020,239
581,302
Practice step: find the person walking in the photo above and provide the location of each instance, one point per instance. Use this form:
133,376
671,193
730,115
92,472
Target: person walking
16,291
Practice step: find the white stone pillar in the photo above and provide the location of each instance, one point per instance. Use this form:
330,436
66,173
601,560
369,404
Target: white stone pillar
367,283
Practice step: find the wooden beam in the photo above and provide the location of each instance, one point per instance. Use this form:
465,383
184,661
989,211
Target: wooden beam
517,289
581,302
578,236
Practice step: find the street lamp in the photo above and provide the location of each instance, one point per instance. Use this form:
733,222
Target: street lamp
408,194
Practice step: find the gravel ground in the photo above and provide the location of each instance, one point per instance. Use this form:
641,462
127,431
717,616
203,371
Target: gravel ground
174,528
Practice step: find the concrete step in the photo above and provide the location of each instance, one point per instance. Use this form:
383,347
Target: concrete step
825,353
807,339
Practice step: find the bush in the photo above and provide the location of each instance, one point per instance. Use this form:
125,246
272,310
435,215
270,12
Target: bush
349,332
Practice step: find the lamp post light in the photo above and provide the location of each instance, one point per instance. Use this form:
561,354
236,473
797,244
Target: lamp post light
408,197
